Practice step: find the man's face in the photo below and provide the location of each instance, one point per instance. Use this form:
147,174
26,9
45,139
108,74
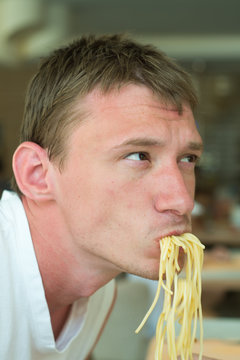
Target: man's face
128,179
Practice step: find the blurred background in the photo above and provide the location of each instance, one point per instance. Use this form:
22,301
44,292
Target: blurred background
203,36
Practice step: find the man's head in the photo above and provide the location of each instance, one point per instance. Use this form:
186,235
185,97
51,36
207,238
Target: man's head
107,158
106,63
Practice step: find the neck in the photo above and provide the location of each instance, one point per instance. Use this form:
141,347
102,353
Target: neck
68,273
58,319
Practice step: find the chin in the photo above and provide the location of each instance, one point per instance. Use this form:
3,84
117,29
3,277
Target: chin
148,273
152,272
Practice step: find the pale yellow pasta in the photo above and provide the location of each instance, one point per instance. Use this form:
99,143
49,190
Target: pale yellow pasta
182,299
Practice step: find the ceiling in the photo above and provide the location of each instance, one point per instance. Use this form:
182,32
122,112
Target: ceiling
156,16
195,30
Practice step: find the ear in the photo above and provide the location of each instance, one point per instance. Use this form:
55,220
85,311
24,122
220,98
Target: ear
30,167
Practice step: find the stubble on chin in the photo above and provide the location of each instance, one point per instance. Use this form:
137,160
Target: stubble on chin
154,274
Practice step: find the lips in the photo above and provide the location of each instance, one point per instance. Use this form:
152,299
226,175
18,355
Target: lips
173,233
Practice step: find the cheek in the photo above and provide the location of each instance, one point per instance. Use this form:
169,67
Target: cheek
190,183
130,196
97,203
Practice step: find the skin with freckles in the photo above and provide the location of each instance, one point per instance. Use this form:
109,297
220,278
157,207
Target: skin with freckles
127,181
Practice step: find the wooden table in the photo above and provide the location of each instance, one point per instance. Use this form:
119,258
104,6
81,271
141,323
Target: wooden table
218,236
221,350
222,273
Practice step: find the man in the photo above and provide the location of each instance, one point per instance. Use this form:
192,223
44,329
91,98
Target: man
104,169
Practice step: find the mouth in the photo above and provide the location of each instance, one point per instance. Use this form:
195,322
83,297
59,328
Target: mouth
171,233
181,251
176,232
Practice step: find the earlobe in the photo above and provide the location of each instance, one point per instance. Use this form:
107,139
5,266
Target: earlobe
30,167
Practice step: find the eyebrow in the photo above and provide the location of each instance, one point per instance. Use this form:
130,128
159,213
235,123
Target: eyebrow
195,146
143,141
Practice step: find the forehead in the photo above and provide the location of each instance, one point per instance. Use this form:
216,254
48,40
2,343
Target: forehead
131,101
108,120
129,97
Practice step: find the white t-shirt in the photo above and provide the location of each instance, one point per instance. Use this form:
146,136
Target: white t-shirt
25,326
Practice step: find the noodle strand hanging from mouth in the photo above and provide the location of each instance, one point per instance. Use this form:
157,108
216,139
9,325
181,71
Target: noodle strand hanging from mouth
182,299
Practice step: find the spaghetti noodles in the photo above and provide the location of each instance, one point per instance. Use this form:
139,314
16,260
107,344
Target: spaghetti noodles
183,303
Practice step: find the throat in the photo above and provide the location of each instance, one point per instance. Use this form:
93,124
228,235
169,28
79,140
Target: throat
59,319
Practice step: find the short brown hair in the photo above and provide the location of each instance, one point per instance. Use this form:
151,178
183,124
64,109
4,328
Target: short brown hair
106,62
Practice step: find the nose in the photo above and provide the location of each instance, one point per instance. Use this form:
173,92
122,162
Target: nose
175,192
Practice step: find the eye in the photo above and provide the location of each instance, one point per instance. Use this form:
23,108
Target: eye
191,158
138,156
